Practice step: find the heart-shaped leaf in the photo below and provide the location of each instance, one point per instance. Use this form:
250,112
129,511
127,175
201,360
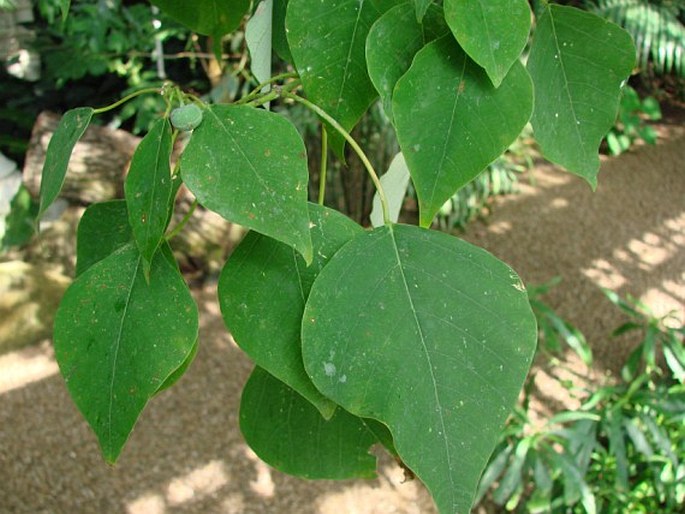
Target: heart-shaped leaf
492,32
327,42
578,62
288,433
69,130
252,308
392,44
148,189
259,182
471,121
430,335
118,338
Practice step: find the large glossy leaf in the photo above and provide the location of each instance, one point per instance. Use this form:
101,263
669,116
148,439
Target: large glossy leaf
492,32
430,335
578,62
69,130
210,17
393,42
288,433
103,229
266,322
471,122
118,338
148,188
327,43
250,166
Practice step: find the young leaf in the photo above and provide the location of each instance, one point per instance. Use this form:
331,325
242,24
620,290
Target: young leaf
148,188
118,338
392,44
103,229
258,38
288,433
430,335
70,129
327,43
578,62
492,32
250,166
214,18
471,122
394,183
251,308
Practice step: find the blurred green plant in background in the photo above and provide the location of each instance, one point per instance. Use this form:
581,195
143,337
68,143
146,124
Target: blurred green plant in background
623,450
632,123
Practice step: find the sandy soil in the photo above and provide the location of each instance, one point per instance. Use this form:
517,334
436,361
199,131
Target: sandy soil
187,456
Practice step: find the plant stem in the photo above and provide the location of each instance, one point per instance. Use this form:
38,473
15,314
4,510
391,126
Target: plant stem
324,164
355,146
177,229
258,89
126,99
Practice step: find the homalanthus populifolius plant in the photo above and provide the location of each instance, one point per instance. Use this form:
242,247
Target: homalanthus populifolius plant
395,334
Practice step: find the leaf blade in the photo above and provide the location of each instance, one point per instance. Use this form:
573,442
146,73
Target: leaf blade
577,62
251,310
413,376
147,189
472,122
112,358
322,35
308,446
493,32
230,170
69,130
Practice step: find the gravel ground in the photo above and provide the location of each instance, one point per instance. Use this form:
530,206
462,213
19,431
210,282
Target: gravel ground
186,455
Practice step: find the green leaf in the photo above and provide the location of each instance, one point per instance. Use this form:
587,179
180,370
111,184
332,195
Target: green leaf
258,38
471,123
251,307
492,32
617,446
327,42
148,189
180,371
394,182
19,223
421,7
103,229
279,39
288,433
64,6
250,166
431,336
578,62
392,44
118,338
511,480
210,17
70,129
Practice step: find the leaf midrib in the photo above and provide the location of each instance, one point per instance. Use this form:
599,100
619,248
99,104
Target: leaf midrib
117,346
424,347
